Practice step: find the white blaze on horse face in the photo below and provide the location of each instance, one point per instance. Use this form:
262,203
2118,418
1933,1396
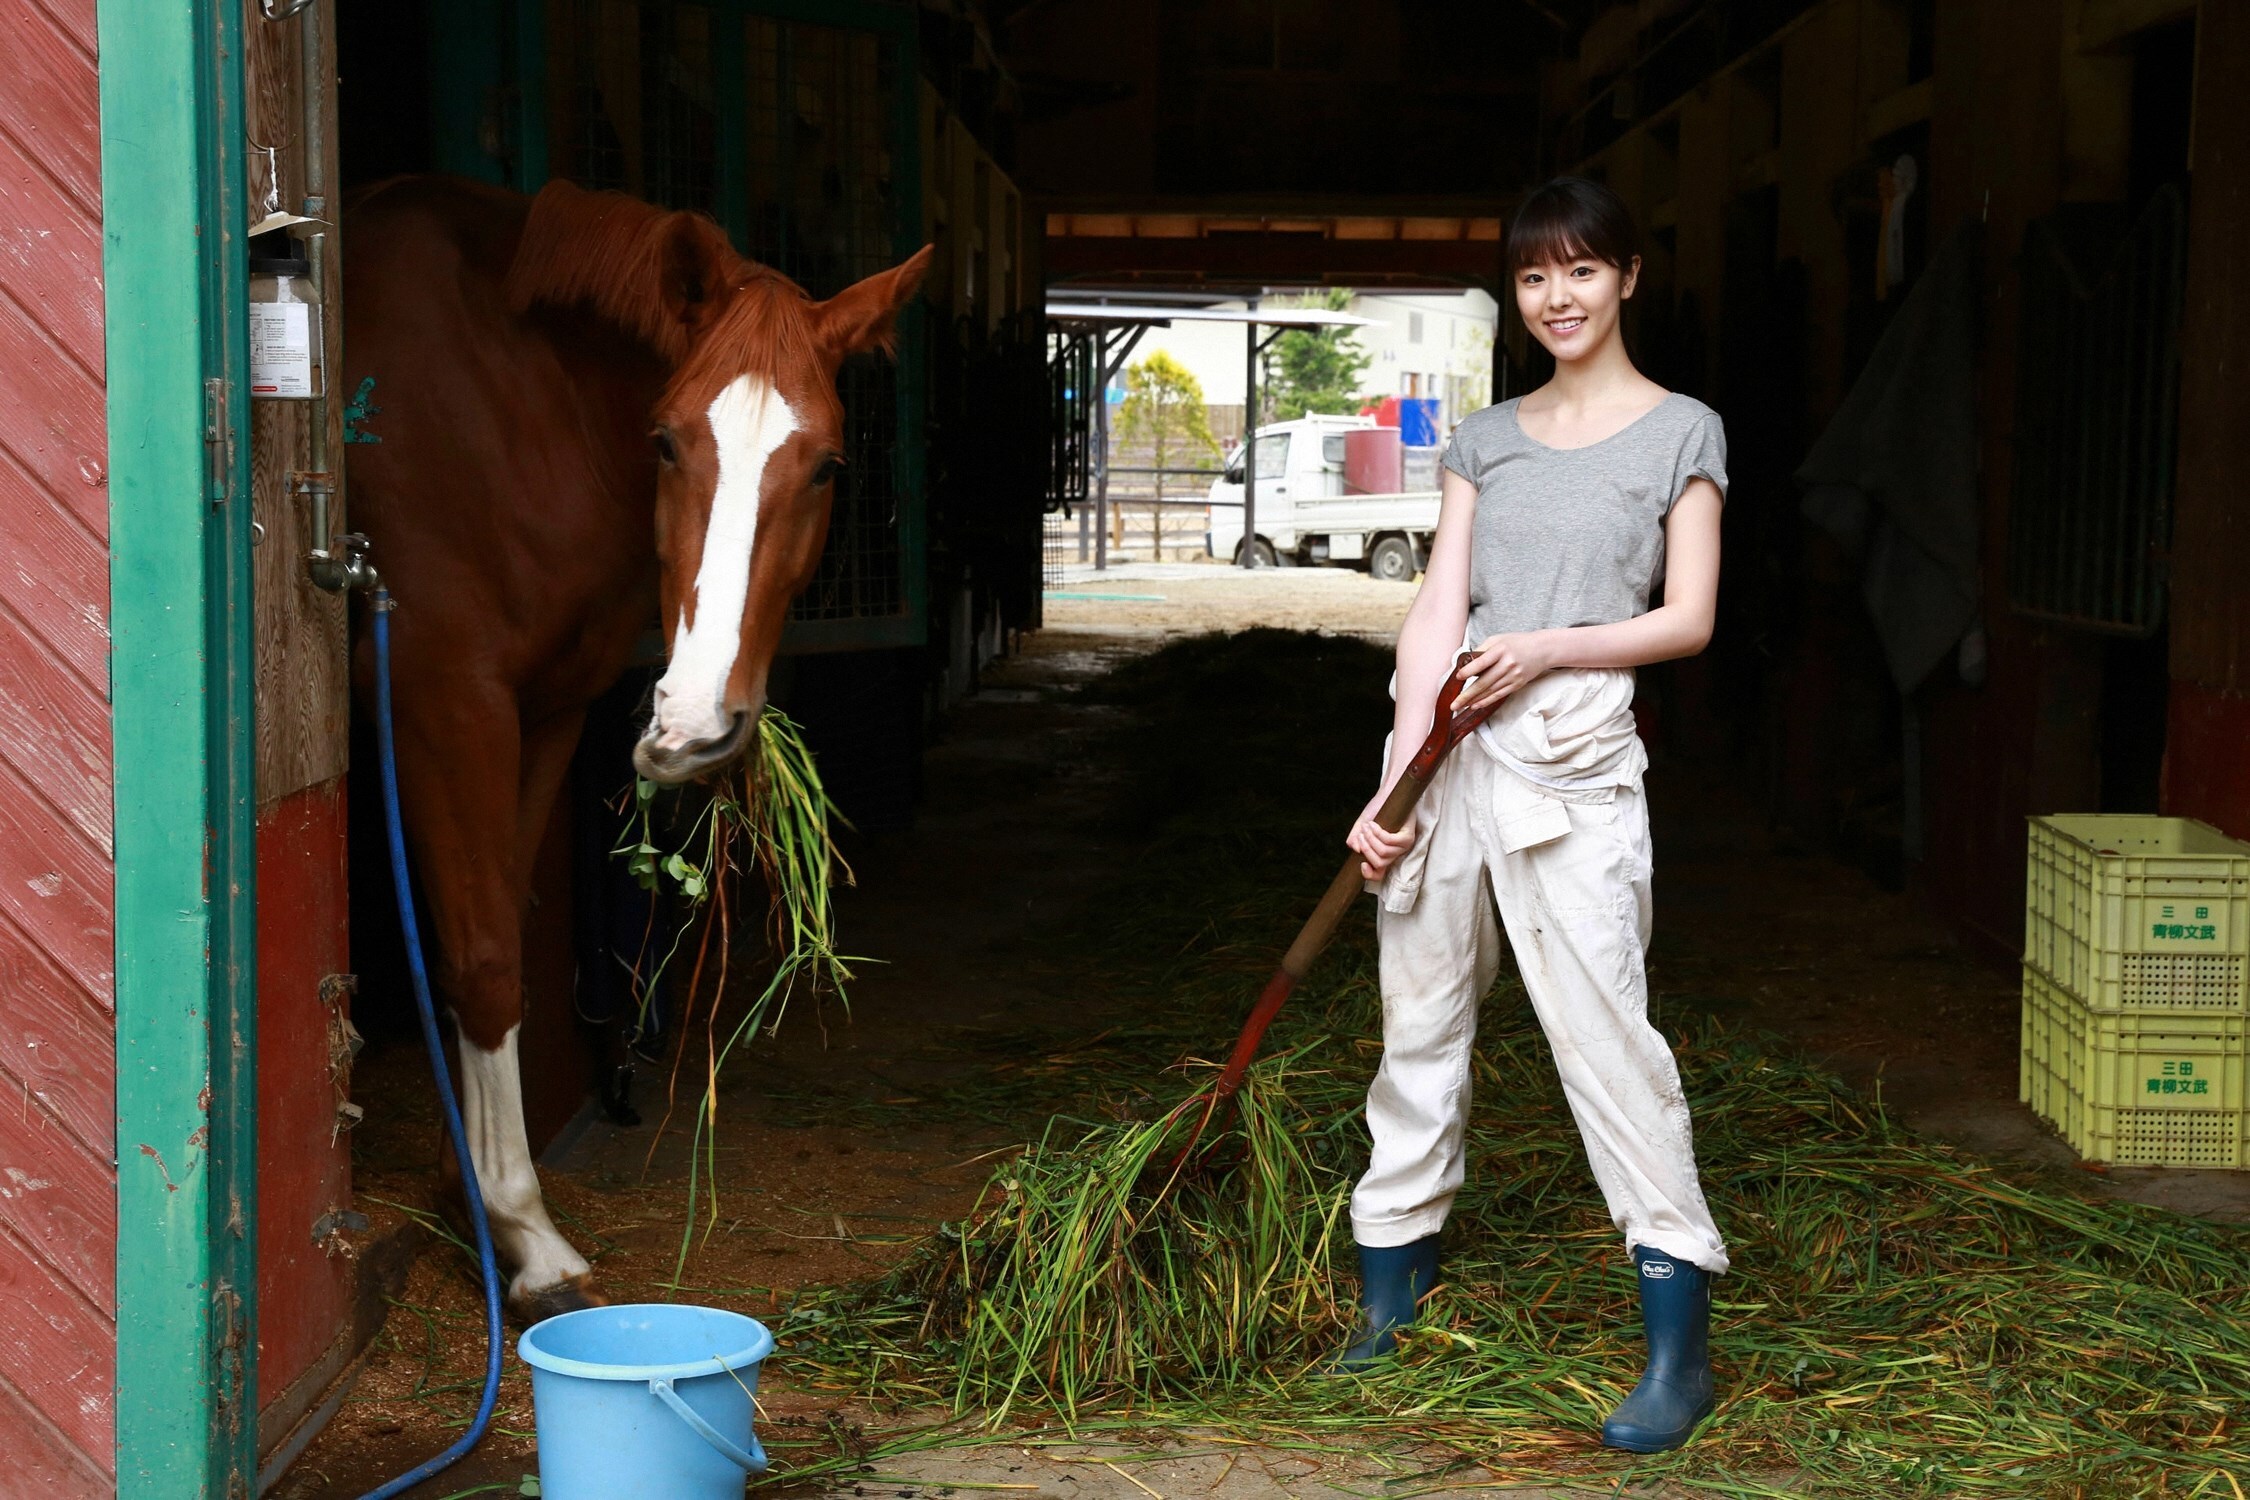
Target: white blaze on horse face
750,420
492,1109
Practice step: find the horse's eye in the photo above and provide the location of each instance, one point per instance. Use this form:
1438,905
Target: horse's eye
829,467
667,452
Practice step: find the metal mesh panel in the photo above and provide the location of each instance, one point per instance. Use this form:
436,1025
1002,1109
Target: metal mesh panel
641,113
820,110
821,105
2097,388
861,573
643,97
1059,548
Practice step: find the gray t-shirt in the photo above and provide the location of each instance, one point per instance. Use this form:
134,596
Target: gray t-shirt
1575,536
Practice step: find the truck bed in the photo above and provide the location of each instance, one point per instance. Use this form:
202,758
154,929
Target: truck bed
1414,510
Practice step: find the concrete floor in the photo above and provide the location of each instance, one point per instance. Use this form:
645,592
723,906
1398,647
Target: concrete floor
1198,1467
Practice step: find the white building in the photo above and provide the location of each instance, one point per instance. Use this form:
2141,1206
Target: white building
1421,344
1437,346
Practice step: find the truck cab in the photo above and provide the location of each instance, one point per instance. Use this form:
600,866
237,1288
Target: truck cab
1311,514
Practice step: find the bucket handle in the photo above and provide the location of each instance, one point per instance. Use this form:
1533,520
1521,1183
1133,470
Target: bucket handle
753,1462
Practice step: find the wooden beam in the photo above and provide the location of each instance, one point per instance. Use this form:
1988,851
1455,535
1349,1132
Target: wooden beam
1262,257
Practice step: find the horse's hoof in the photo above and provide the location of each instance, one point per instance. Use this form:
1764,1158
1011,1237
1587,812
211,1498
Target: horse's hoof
572,1294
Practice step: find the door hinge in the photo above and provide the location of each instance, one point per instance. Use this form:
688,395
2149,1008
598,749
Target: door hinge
218,438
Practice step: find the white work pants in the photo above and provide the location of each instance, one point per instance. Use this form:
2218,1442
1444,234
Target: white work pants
1577,912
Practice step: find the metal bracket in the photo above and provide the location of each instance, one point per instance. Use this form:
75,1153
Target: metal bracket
287,8
218,439
318,487
338,563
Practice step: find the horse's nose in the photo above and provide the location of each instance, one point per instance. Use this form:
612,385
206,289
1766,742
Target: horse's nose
664,757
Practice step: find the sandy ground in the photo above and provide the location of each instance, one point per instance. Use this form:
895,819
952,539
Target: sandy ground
835,1153
1183,598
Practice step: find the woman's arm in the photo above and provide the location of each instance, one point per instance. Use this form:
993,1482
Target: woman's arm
1680,626
1427,641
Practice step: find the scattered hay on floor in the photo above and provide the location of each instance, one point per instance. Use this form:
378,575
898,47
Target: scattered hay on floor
1901,1318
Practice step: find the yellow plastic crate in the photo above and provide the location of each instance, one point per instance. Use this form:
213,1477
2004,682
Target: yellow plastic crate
2137,913
2047,1046
2165,1090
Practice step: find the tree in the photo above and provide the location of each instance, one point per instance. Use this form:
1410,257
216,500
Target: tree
1316,369
1163,406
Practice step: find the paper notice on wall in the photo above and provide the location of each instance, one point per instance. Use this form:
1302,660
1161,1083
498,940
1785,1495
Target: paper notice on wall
281,354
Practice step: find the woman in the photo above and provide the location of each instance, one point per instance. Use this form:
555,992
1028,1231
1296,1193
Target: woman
1563,511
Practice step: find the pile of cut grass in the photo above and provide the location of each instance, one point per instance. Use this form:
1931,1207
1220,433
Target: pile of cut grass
1901,1320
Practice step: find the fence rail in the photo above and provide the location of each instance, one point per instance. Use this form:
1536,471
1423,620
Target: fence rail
1139,530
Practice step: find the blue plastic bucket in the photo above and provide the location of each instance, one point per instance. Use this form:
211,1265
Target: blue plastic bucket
649,1401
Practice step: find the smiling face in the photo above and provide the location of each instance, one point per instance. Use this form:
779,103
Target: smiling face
1572,303
749,440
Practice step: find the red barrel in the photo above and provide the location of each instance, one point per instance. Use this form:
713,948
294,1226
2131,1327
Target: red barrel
1374,461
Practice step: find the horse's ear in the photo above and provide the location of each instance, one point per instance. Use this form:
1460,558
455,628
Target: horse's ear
692,268
863,317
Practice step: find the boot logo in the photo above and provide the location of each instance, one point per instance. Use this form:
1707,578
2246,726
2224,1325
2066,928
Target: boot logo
1657,1270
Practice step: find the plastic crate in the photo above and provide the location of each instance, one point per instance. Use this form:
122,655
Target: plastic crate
2138,1090
2047,1047
2140,914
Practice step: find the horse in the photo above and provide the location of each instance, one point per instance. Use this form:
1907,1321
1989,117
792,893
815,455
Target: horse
589,413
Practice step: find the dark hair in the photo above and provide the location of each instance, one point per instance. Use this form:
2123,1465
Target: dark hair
1572,217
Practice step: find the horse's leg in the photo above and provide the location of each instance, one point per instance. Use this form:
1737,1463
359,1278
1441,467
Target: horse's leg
461,773
551,1276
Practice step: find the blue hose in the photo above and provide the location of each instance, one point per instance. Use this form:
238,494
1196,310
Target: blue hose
388,755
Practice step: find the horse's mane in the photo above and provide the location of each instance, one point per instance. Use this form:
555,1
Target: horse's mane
633,264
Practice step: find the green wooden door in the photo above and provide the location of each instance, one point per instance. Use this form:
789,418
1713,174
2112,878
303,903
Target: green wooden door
180,693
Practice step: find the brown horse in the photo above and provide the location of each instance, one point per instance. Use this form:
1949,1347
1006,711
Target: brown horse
591,410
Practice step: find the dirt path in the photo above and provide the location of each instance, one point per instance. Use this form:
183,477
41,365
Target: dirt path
845,1139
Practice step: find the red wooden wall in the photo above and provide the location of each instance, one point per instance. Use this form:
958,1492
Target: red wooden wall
58,1197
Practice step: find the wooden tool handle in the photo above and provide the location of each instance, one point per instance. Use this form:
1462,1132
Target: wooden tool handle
1447,729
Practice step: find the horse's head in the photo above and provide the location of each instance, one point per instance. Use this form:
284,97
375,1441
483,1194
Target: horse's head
748,438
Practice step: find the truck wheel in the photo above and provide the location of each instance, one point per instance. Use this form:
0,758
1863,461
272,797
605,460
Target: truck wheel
1260,554
1392,561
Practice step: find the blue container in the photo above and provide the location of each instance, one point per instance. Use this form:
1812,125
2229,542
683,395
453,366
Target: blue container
649,1401
1417,421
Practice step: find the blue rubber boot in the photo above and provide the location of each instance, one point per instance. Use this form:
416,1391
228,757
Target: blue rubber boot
1675,1394
1393,1280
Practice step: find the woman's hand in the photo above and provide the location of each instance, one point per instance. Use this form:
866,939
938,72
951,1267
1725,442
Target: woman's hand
1503,664
1378,847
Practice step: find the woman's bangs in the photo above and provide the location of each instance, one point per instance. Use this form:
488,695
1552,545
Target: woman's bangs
1572,219
1552,240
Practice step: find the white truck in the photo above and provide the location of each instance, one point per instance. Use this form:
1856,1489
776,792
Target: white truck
1309,515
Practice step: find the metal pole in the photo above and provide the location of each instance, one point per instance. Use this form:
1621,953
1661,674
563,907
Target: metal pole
1108,364
1101,471
1250,437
